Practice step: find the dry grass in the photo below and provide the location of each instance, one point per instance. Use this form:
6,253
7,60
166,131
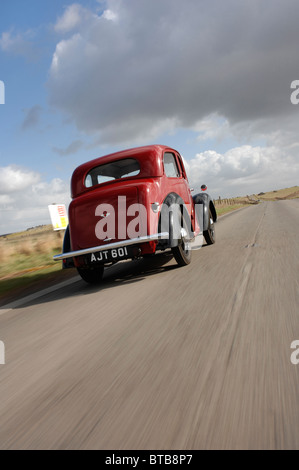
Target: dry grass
21,253
280,194
228,208
227,205
27,246
5,253
32,232
224,206
48,243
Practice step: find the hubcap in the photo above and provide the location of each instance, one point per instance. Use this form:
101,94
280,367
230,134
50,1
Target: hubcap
212,227
184,241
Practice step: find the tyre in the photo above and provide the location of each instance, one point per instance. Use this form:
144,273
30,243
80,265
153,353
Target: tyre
182,252
92,276
209,234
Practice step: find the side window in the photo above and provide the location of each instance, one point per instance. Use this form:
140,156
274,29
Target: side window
170,166
182,167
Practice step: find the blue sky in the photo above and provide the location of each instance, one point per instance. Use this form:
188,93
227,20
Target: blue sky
83,79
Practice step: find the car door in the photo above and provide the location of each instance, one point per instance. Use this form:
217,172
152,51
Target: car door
185,183
177,180
187,191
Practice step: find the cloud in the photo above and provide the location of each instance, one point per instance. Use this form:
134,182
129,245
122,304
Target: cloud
71,18
32,117
242,170
140,64
222,70
212,128
18,44
24,198
15,179
70,149
110,15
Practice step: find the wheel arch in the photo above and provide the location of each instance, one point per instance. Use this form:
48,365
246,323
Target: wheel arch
205,202
172,199
213,210
66,248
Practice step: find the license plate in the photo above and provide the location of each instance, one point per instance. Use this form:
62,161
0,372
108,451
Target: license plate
106,256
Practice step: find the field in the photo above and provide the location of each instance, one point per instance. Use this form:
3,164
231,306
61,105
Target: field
26,257
281,194
228,205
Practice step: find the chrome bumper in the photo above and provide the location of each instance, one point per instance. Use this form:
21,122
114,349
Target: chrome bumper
109,246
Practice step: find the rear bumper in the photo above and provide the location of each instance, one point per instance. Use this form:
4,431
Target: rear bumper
109,246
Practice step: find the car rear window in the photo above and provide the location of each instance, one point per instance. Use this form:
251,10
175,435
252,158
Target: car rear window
111,171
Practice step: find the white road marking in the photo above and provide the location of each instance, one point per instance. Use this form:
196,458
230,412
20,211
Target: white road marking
17,303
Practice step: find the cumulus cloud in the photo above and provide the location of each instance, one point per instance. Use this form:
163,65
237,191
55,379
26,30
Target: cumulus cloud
110,15
71,18
141,69
14,179
24,198
212,128
242,170
141,64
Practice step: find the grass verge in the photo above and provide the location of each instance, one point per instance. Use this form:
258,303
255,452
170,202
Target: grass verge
230,208
27,258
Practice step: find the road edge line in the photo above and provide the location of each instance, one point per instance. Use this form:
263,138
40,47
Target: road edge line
48,290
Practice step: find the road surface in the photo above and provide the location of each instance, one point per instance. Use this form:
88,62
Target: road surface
162,357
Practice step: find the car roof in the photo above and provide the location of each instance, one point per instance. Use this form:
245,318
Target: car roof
150,159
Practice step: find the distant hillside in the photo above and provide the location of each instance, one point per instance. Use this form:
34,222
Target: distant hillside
280,194
38,230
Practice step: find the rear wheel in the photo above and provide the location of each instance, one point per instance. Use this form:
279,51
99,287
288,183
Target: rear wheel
182,252
209,234
92,275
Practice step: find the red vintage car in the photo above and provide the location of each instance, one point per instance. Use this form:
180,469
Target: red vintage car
131,204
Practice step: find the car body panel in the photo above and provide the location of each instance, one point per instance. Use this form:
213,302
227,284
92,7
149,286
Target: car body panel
161,180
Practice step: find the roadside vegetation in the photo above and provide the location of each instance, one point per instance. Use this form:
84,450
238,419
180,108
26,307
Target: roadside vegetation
227,205
26,257
280,194
223,206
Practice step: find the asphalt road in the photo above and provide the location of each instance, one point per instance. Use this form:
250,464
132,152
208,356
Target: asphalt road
162,357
